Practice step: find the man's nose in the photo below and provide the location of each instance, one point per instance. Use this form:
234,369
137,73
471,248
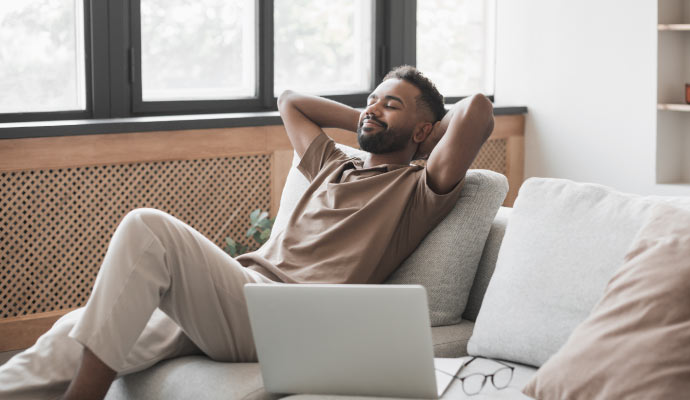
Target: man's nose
373,109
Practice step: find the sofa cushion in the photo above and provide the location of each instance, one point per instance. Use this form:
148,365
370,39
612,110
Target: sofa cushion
446,260
641,326
487,263
198,377
521,376
192,377
450,341
563,243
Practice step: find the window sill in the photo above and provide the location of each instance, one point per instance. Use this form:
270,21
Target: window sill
17,130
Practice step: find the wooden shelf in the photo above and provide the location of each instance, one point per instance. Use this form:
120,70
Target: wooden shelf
674,27
672,74
673,107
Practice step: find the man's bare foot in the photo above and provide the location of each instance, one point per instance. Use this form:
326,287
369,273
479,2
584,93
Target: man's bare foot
92,381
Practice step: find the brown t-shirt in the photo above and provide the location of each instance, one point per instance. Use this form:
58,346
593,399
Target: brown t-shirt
353,224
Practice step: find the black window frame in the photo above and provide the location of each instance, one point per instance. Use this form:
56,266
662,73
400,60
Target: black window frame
263,68
112,33
69,114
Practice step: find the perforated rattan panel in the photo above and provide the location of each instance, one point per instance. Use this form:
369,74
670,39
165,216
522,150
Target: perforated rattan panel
55,224
492,156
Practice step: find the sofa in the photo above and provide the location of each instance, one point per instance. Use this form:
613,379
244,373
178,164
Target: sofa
514,284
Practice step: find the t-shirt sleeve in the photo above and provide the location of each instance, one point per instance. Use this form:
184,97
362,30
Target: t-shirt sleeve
320,152
431,206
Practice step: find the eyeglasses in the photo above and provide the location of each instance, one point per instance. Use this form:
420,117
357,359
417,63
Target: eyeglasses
474,383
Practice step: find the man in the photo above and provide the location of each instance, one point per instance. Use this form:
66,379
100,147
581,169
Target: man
164,290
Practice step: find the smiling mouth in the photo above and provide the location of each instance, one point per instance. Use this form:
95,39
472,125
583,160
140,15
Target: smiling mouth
374,121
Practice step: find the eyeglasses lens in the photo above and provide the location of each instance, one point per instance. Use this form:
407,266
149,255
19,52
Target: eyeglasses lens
502,378
473,384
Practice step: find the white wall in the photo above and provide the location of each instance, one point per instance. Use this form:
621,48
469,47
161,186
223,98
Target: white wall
586,70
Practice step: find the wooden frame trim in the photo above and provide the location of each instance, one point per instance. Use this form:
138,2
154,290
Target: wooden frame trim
19,333
507,126
512,128
119,148
281,161
515,167
87,150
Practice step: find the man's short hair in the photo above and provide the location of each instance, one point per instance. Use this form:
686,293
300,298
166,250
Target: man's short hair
431,98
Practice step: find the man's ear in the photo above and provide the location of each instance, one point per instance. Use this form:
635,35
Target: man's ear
430,140
423,130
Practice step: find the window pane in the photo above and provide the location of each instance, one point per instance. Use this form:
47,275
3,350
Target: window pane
323,47
197,49
455,45
42,56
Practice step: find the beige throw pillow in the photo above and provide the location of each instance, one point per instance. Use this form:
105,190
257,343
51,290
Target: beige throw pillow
636,342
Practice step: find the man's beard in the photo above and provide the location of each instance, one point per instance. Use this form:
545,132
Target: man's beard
383,141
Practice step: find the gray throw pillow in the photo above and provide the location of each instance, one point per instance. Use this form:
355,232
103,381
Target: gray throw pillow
446,261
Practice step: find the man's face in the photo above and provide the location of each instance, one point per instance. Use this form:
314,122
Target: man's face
388,121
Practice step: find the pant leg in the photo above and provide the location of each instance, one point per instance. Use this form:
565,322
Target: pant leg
155,260
134,260
44,370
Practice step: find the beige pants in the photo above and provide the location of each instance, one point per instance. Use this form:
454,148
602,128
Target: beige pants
164,290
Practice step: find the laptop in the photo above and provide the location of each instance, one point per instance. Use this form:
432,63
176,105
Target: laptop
357,340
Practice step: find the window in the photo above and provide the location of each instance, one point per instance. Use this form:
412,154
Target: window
88,59
455,45
42,56
323,47
197,50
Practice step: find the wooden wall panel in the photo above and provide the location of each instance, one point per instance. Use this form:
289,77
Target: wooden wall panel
56,223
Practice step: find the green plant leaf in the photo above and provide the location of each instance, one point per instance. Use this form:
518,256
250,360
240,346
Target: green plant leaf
254,216
231,248
260,231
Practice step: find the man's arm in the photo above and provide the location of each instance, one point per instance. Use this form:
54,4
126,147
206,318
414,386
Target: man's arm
304,116
460,135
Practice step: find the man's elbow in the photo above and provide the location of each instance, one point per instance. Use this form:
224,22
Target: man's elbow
284,98
482,105
483,108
